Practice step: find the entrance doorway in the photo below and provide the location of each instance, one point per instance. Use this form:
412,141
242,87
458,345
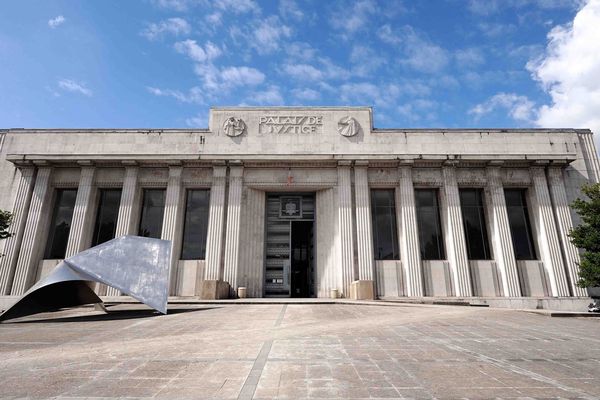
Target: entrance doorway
289,245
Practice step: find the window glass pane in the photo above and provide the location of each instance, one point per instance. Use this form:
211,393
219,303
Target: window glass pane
60,224
153,207
472,206
106,218
196,225
385,233
431,240
520,226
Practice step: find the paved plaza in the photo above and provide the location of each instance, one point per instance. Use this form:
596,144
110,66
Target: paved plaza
295,351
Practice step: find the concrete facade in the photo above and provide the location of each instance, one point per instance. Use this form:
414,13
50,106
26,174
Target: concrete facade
334,154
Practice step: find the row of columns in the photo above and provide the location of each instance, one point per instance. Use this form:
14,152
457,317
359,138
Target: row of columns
551,210
560,257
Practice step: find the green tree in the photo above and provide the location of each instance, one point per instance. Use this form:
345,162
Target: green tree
5,220
587,236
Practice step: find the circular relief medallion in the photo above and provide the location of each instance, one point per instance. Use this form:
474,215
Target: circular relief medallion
348,126
234,126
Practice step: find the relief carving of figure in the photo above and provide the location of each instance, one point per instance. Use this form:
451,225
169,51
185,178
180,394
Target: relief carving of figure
348,126
234,126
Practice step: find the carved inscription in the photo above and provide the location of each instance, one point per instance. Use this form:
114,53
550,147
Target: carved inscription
285,124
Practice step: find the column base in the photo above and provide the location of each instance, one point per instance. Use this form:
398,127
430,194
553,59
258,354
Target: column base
362,290
214,290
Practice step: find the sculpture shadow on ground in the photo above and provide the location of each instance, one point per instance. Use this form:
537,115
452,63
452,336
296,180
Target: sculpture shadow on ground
112,315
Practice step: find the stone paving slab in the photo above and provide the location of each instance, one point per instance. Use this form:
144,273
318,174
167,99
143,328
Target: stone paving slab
295,351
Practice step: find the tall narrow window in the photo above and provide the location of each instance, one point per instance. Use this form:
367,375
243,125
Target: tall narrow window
106,217
430,227
385,233
520,227
196,225
60,226
153,207
472,207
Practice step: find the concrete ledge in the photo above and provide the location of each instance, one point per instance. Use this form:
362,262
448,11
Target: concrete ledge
214,290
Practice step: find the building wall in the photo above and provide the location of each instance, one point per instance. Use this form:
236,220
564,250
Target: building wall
33,163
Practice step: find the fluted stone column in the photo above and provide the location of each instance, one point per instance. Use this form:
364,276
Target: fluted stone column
345,226
564,224
12,244
549,243
502,239
127,207
232,236
80,224
409,233
590,156
364,231
216,215
455,235
27,263
172,220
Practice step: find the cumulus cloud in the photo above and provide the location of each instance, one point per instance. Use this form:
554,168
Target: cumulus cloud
267,35
469,58
570,72
368,93
174,26
303,72
70,85
241,76
196,52
519,107
55,22
177,5
365,60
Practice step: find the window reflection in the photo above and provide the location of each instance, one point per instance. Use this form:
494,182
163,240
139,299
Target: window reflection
385,233
153,207
60,225
472,207
430,230
106,217
520,226
196,225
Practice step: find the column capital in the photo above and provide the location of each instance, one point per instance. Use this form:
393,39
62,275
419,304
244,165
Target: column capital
345,163
361,163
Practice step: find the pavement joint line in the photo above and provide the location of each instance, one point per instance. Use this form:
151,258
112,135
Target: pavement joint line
249,387
280,316
519,370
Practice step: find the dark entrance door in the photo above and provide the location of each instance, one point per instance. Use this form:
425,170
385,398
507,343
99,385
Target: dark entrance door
301,258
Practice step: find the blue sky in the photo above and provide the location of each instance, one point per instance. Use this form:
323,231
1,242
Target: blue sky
164,63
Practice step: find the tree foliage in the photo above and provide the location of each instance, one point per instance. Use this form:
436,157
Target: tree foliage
587,235
5,220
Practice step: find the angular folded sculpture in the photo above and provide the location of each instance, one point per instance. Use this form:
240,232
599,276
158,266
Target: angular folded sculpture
137,266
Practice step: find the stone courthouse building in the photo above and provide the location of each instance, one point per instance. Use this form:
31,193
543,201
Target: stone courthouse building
295,202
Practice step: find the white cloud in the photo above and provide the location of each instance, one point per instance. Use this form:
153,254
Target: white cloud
306,94
469,58
368,93
196,52
289,9
241,76
350,18
303,72
197,121
519,108
490,7
268,33
177,5
70,85
493,30
270,96
54,22
570,72
365,60
174,26
193,96
214,19
419,53
237,6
